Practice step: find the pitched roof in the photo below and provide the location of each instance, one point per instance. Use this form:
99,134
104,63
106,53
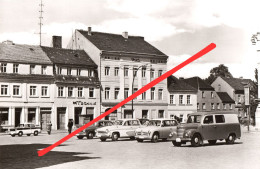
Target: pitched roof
224,97
115,42
23,54
238,83
68,56
198,83
176,85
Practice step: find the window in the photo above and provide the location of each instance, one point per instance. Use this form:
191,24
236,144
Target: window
212,106
172,99
126,92
107,93
44,90
161,114
208,119
70,91
80,91
69,71
135,90
224,106
4,90
33,91
144,96
152,73
91,92
143,72
32,69
15,68
135,71
230,106
203,94
107,70
160,94
91,73
181,118
16,90
220,118
218,106
180,99
188,99
159,73
60,91
212,95
3,67
198,106
59,70
116,71
125,71
204,106
44,70
78,72
152,93
116,93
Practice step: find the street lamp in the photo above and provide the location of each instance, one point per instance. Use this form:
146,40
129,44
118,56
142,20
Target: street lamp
134,74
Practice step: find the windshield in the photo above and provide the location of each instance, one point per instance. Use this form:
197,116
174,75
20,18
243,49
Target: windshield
194,119
118,122
154,123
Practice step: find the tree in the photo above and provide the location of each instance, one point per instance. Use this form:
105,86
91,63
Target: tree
221,70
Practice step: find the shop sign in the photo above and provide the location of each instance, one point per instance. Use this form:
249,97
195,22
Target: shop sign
84,103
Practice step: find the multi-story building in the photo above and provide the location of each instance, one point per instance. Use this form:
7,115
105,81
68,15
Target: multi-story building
234,87
126,64
42,84
182,98
208,99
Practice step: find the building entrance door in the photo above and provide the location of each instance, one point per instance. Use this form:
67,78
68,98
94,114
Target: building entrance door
17,119
61,117
128,114
45,117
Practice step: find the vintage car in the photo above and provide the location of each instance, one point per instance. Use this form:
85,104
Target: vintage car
122,129
210,126
156,129
90,132
26,128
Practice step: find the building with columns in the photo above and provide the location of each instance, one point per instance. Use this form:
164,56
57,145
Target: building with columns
125,64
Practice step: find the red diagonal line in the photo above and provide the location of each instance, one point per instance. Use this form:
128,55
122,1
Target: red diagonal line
140,91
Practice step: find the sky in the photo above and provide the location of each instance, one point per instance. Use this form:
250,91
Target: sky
179,28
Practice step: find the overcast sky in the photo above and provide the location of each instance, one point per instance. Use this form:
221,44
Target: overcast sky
179,28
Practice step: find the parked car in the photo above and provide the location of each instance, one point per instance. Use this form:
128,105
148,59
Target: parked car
156,129
210,126
26,128
90,132
122,129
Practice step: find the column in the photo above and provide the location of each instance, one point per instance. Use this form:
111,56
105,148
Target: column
37,115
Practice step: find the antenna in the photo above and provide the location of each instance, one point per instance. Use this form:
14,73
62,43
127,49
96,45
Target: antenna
41,18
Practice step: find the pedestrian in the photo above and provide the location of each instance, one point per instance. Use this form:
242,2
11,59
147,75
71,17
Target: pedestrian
70,124
49,127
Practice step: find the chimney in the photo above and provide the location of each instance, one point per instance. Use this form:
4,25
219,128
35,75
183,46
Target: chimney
57,41
89,31
125,35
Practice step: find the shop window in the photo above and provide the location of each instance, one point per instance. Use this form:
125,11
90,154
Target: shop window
31,115
4,116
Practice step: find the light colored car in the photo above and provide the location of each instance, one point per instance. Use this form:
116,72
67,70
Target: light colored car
210,126
122,129
26,128
156,129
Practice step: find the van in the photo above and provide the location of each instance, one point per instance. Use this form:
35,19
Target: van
210,126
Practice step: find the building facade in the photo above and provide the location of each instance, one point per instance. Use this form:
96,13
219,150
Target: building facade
126,64
36,87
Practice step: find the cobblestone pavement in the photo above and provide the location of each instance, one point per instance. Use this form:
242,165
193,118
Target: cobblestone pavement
21,152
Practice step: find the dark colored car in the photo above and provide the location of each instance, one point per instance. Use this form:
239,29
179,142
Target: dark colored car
90,131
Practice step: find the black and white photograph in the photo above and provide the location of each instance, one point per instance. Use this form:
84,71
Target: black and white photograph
129,84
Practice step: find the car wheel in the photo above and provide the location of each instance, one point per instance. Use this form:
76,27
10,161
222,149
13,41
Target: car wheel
103,139
115,136
90,135
176,144
231,139
28,134
139,140
196,140
35,133
20,134
155,138
212,142
132,138
13,135
80,137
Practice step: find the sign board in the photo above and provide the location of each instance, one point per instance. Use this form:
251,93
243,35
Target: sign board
247,96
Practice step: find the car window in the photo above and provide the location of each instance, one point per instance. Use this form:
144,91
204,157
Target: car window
194,119
208,119
220,118
135,123
108,123
32,125
167,123
127,123
26,125
154,123
119,122
174,123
